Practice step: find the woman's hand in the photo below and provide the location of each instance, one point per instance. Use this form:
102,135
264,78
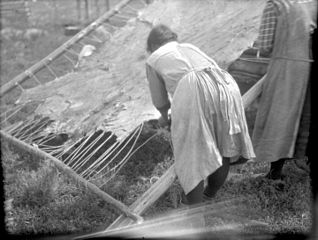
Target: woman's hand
163,122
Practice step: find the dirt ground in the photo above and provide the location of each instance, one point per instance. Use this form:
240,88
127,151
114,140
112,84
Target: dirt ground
109,90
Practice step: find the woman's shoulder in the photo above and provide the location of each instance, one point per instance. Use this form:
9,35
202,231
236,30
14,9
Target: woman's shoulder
162,51
191,48
189,45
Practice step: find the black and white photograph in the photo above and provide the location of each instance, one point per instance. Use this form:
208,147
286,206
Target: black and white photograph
158,119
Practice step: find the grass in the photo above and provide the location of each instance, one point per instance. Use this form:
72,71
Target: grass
42,200
284,205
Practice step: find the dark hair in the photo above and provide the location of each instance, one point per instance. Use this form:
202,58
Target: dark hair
158,36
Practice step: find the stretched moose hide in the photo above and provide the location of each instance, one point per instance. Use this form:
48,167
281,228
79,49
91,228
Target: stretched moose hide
109,90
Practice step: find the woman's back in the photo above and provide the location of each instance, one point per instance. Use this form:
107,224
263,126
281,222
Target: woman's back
173,60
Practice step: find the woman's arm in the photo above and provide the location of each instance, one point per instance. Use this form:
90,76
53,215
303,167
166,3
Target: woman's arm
266,35
158,91
159,95
164,119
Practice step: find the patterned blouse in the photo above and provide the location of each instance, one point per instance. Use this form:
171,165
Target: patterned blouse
266,35
265,39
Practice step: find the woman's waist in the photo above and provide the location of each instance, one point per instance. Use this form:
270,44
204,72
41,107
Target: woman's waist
199,69
214,73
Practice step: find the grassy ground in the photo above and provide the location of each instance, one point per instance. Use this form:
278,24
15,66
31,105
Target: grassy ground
40,200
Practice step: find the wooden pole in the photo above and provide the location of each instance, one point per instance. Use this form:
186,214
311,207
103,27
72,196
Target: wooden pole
253,92
27,9
97,7
86,11
55,14
67,170
39,65
107,5
79,14
148,198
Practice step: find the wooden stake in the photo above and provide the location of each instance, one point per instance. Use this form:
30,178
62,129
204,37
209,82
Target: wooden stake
253,92
107,5
55,15
86,12
79,14
97,7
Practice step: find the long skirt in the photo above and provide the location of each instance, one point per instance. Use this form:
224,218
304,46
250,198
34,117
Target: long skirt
208,123
281,114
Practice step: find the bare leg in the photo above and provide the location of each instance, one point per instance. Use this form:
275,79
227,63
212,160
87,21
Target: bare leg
217,179
196,195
